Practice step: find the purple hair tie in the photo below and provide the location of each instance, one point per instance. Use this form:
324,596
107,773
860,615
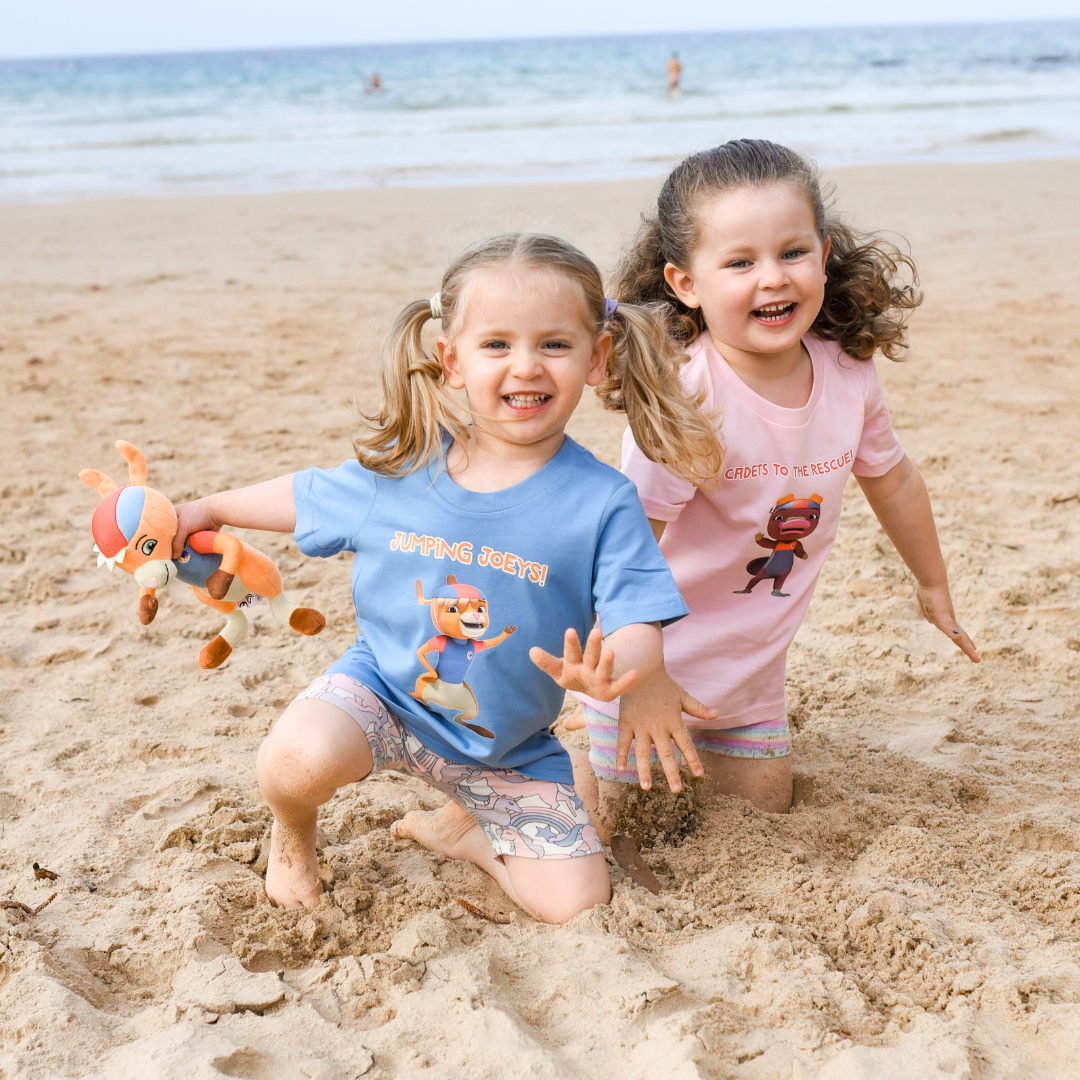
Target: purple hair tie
610,307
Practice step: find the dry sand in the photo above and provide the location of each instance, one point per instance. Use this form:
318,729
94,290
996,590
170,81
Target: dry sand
915,916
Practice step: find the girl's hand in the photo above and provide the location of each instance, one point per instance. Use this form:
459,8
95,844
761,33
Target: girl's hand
589,672
191,518
935,603
652,716
268,506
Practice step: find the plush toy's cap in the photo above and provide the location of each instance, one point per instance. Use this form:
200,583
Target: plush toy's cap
789,502
457,592
116,519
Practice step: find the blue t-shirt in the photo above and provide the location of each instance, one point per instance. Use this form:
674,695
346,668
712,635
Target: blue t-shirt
471,581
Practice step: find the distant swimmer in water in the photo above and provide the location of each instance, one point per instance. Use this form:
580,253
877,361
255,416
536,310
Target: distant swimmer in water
374,83
674,74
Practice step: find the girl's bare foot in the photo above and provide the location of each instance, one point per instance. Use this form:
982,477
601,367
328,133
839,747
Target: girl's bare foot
552,890
292,874
446,831
575,721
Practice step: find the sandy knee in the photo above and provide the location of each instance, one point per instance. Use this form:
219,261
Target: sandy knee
295,771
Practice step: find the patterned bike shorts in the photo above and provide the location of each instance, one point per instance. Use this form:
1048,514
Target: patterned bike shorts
520,815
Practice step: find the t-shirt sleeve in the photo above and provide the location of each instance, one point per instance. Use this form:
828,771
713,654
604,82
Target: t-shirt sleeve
631,580
331,507
662,494
879,448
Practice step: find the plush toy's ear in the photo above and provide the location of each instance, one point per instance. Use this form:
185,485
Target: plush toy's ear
136,462
97,480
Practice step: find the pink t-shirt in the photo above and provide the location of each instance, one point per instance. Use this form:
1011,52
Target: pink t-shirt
783,481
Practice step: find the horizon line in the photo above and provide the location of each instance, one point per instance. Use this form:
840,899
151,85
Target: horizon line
225,50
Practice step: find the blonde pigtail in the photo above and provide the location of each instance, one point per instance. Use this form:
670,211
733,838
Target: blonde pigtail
416,414
642,381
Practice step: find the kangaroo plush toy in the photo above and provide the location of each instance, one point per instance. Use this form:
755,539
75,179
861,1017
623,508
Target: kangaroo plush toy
134,526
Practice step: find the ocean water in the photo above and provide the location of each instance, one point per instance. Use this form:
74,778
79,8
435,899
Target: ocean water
496,112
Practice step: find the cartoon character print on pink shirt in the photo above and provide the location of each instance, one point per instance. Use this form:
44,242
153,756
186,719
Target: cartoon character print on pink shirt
791,520
460,614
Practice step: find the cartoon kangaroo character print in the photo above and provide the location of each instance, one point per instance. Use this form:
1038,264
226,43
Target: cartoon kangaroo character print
791,520
460,614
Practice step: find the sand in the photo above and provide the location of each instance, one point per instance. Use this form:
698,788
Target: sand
915,916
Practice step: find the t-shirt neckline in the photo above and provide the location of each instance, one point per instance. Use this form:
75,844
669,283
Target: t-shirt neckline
507,498
777,414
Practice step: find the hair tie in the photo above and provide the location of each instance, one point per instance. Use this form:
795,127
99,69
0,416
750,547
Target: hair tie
435,303
610,307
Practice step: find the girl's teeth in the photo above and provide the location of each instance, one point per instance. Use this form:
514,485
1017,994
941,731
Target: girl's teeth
773,312
524,401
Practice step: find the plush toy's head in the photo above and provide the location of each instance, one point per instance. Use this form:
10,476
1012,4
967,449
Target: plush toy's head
133,525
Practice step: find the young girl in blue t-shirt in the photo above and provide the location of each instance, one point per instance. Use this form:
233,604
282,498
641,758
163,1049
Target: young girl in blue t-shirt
486,544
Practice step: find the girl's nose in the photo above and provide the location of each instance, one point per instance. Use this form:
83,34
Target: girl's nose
773,274
526,364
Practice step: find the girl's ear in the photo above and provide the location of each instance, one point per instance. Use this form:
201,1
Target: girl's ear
598,362
682,285
825,249
449,361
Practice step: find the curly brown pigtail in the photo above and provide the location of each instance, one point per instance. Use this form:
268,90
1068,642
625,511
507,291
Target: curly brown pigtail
865,308
642,381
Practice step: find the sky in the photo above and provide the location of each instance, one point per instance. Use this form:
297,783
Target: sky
42,28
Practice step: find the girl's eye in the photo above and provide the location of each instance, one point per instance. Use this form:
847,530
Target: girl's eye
738,264
495,344
795,253
148,547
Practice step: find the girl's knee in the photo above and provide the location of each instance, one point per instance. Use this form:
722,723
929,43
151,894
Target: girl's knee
557,890
313,749
288,766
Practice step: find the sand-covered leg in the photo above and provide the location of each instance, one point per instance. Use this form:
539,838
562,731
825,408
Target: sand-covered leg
217,651
765,782
595,793
303,620
311,751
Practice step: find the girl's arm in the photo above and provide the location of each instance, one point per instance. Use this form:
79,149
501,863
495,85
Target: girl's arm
629,663
268,506
902,505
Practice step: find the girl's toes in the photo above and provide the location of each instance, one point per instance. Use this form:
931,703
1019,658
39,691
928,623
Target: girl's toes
400,831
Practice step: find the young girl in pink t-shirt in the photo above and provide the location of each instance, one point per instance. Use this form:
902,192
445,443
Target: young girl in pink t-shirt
781,307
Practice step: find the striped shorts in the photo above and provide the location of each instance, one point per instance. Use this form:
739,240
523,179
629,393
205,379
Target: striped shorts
769,739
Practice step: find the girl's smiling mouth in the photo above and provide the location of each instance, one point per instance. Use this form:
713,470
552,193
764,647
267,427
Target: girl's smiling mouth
526,403
775,314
